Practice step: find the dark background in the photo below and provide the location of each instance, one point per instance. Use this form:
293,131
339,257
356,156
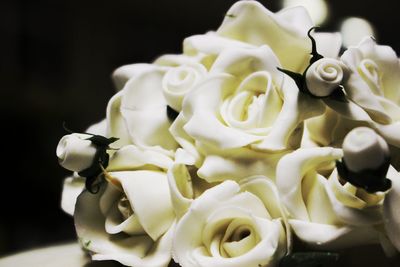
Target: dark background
56,58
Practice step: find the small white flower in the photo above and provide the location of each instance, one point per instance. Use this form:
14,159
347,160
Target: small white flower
75,152
364,149
325,75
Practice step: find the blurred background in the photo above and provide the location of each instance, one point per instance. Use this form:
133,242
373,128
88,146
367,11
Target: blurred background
56,58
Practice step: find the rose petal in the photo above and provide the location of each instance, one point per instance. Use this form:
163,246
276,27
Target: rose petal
148,193
72,187
131,157
290,173
285,31
143,108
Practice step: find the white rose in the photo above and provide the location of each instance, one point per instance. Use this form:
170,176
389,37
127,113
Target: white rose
364,149
181,78
138,113
75,152
234,226
130,220
326,213
248,24
373,90
324,76
243,110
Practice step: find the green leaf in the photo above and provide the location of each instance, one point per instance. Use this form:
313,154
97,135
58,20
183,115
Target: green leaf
308,259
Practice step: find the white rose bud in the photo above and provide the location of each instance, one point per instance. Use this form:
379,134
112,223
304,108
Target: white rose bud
75,153
325,75
364,149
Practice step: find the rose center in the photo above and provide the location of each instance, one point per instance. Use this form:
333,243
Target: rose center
238,239
125,208
254,105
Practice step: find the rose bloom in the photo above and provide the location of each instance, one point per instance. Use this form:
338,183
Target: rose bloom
130,220
233,225
326,212
372,89
243,116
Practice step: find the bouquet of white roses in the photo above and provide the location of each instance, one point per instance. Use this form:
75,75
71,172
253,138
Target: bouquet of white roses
258,134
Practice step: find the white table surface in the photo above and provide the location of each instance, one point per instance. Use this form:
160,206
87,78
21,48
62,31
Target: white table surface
65,255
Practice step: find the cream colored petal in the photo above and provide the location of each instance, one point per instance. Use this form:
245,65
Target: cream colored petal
131,157
241,163
172,60
266,191
285,32
72,187
99,128
181,188
89,223
149,196
184,140
159,254
114,224
116,126
288,124
144,110
211,44
316,199
390,132
291,170
122,74
241,62
108,198
391,209
359,92
328,44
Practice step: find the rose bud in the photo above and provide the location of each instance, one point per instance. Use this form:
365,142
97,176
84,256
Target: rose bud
324,76
364,149
75,152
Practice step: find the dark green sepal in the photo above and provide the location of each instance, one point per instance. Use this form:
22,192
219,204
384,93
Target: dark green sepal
338,95
372,180
100,162
314,53
102,141
308,259
298,78
172,113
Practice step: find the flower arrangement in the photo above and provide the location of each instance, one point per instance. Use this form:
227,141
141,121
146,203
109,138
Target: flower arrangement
258,135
